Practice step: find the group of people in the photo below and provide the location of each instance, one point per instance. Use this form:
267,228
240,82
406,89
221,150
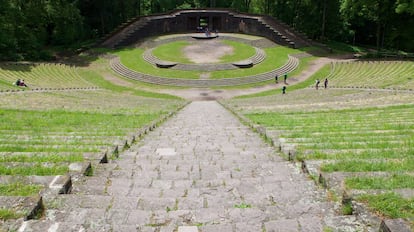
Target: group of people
284,81
325,83
284,78
20,83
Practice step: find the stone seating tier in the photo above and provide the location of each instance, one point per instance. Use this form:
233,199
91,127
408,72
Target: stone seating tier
118,67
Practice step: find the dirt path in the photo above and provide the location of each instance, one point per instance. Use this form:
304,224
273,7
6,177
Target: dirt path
207,52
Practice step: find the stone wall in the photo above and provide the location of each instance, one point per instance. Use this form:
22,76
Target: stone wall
187,21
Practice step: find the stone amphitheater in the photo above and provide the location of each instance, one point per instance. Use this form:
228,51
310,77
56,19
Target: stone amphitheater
204,168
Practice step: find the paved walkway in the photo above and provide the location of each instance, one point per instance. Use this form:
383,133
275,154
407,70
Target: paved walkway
202,170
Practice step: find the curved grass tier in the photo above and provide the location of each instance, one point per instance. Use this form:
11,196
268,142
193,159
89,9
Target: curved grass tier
131,65
276,57
373,74
116,65
41,76
357,142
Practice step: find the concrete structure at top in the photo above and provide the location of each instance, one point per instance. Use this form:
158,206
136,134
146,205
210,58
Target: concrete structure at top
197,20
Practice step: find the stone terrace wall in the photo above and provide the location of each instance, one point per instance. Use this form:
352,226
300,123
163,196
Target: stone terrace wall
186,21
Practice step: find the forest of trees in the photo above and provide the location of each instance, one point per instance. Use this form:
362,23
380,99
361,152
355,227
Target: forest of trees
30,29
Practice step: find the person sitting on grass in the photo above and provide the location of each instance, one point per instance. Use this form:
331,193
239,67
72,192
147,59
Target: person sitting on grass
17,83
22,83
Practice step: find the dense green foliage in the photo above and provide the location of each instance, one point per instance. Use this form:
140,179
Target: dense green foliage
28,27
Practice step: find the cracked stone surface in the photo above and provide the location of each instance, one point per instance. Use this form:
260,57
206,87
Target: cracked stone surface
202,170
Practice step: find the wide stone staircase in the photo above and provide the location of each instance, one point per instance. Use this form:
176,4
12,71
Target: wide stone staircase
200,171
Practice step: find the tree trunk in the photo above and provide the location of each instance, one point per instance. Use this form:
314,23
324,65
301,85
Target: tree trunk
323,20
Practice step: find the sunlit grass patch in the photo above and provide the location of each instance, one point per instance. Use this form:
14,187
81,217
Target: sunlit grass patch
51,158
373,74
132,58
36,169
369,166
42,75
6,214
275,57
241,51
172,52
390,205
394,181
19,189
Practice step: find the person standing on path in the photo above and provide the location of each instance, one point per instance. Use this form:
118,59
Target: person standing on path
285,79
317,84
325,83
284,89
276,78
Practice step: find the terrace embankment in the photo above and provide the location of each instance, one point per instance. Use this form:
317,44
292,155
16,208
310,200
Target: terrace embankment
202,170
355,142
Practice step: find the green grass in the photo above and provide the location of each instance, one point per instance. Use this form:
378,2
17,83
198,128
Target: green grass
390,205
365,139
172,52
242,206
392,182
59,131
369,166
275,57
347,208
66,121
51,158
19,189
36,169
241,51
373,74
302,65
43,75
93,77
7,214
132,58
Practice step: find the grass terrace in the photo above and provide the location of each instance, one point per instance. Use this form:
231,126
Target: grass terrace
373,74
43,133
275,57
41,75
366,135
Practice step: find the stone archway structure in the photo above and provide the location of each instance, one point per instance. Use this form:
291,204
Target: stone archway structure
190,21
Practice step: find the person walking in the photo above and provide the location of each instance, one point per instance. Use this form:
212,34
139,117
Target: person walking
276,78
317,84
284,89
325,83
285,79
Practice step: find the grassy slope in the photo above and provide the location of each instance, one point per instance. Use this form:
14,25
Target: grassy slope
343,126
58,127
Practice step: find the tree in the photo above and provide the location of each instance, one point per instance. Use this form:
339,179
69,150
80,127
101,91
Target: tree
405,6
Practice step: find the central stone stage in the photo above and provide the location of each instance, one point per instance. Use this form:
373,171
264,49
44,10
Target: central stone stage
203,36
